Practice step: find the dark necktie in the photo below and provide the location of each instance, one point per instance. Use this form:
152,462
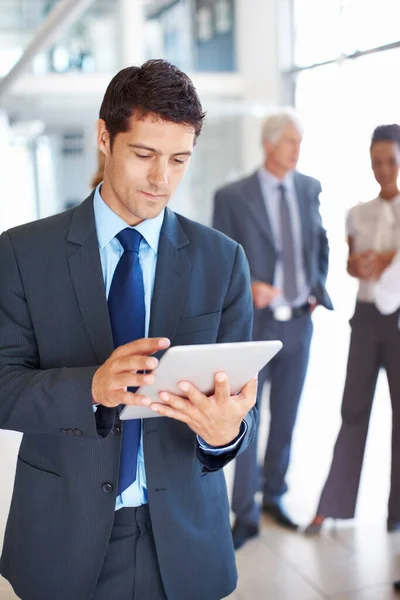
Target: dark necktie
290,289
127,315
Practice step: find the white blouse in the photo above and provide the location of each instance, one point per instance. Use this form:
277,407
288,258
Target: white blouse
374,225
387,289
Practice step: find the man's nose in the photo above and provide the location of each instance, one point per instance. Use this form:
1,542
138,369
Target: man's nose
159,174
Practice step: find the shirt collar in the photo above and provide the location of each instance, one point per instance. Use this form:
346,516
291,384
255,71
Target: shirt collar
109,224
396,200
272,182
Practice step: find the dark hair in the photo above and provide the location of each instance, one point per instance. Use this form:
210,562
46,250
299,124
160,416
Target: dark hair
158,88
386,133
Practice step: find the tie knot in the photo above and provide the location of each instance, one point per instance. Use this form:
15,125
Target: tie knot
130,239
282,188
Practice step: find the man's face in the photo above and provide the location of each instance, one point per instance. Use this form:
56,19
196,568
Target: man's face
385,161
144,166
285,152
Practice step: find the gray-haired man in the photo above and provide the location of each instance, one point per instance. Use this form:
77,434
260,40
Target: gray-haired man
274,214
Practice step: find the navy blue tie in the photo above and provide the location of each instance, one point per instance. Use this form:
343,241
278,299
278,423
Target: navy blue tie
127,315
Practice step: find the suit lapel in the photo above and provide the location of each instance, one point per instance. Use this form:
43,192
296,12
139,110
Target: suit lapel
302,200
170,286
172,279
87,278
258,209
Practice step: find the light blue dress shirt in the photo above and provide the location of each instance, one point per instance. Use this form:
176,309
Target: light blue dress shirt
108,225
272,197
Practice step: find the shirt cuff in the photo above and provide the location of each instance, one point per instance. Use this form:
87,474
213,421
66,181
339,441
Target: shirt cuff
222,450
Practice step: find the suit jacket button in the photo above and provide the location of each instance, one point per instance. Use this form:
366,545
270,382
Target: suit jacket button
107,488
116,430
63,431
77,432
70,431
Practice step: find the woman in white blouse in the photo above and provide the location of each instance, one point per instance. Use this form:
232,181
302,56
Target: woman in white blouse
373,230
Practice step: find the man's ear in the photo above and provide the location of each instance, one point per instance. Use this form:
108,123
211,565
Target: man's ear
103,137
268,147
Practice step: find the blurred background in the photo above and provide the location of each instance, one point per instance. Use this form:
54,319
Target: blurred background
336,61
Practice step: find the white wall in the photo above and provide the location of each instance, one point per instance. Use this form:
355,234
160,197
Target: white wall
257,38
17,188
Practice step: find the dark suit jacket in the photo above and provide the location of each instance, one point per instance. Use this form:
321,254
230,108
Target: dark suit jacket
54,332
240,212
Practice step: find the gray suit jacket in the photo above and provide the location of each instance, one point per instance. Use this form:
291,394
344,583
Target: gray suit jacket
240,213
54,332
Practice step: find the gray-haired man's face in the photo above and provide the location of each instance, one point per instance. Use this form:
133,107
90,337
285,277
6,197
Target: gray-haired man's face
285,152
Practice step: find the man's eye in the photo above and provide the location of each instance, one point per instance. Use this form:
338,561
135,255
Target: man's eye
144,156
179,161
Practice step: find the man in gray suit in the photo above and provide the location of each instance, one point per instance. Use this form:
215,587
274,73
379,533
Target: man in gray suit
274,215
101,508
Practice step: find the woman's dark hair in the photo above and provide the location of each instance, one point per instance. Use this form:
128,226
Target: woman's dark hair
158,88
386,133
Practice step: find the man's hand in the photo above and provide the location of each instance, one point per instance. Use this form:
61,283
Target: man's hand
216,419
263,293
120,371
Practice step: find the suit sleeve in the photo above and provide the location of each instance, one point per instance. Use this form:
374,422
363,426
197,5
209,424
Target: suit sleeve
223,217
323,252
32,400
235,326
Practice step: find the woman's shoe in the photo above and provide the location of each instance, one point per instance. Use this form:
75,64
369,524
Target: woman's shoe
314,528
393,526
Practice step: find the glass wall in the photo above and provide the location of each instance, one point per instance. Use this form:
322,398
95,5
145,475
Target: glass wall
325,30
87,46
344,87
346,79
196,35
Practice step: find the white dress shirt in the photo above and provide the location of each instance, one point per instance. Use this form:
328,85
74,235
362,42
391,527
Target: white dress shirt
272,197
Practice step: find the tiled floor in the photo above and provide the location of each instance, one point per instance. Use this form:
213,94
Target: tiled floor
350,561
355,560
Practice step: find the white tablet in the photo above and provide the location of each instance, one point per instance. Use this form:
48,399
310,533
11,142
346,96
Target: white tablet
198,364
